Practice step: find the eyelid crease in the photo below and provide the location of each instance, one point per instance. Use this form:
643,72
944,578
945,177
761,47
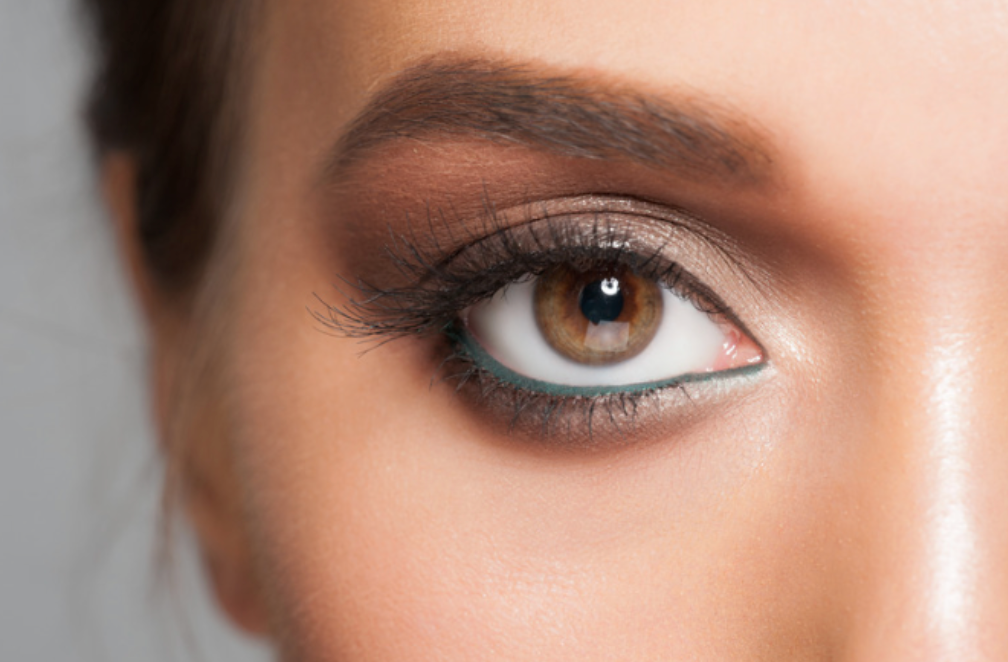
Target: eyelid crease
445,228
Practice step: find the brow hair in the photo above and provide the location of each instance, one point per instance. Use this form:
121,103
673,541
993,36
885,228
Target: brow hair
565,114
171,81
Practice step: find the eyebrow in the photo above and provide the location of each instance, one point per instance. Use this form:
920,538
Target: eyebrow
563,114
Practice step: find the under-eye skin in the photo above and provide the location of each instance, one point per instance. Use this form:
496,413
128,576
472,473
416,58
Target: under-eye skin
554,320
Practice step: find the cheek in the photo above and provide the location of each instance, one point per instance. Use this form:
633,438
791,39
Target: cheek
381,529
388,518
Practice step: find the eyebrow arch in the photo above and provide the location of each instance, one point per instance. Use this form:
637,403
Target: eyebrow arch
564,114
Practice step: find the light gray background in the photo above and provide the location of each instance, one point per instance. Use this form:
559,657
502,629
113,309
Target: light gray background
79,475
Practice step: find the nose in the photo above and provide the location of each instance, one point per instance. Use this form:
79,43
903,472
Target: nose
933,582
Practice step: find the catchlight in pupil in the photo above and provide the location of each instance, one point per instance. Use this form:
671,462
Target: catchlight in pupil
602,300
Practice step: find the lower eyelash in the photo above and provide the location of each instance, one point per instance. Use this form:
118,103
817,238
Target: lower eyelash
547,410
557,412
466,345
574,418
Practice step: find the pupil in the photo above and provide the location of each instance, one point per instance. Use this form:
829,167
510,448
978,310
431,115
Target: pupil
602,300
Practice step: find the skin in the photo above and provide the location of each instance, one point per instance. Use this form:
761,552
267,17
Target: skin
847,503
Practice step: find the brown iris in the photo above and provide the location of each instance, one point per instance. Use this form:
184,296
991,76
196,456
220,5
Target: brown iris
597,317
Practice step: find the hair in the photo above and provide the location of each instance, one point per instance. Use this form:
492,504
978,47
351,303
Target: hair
168,92
170,86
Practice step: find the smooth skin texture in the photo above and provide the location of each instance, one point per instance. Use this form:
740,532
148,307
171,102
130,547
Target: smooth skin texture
847,503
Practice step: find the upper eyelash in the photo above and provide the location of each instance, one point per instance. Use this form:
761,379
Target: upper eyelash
441,285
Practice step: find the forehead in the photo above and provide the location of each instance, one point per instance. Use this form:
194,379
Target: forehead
853,93
636,36
927,51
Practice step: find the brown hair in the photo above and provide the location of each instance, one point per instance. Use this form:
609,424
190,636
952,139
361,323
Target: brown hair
167,92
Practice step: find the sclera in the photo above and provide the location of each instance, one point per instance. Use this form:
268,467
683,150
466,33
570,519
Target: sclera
687,341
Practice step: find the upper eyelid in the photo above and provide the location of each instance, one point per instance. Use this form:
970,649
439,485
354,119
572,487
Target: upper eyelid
492,219
422,288
634,226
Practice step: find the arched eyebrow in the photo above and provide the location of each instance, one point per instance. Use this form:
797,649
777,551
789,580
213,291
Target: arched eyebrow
565,114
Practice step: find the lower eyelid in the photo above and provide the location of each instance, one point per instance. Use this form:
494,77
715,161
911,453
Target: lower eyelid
583,420
482,360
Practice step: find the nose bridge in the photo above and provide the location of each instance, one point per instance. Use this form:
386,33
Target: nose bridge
935,521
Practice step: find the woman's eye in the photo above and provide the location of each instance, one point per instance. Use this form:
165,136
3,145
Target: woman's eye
601,330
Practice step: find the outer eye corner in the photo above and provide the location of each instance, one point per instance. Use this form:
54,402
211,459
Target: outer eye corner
739,350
